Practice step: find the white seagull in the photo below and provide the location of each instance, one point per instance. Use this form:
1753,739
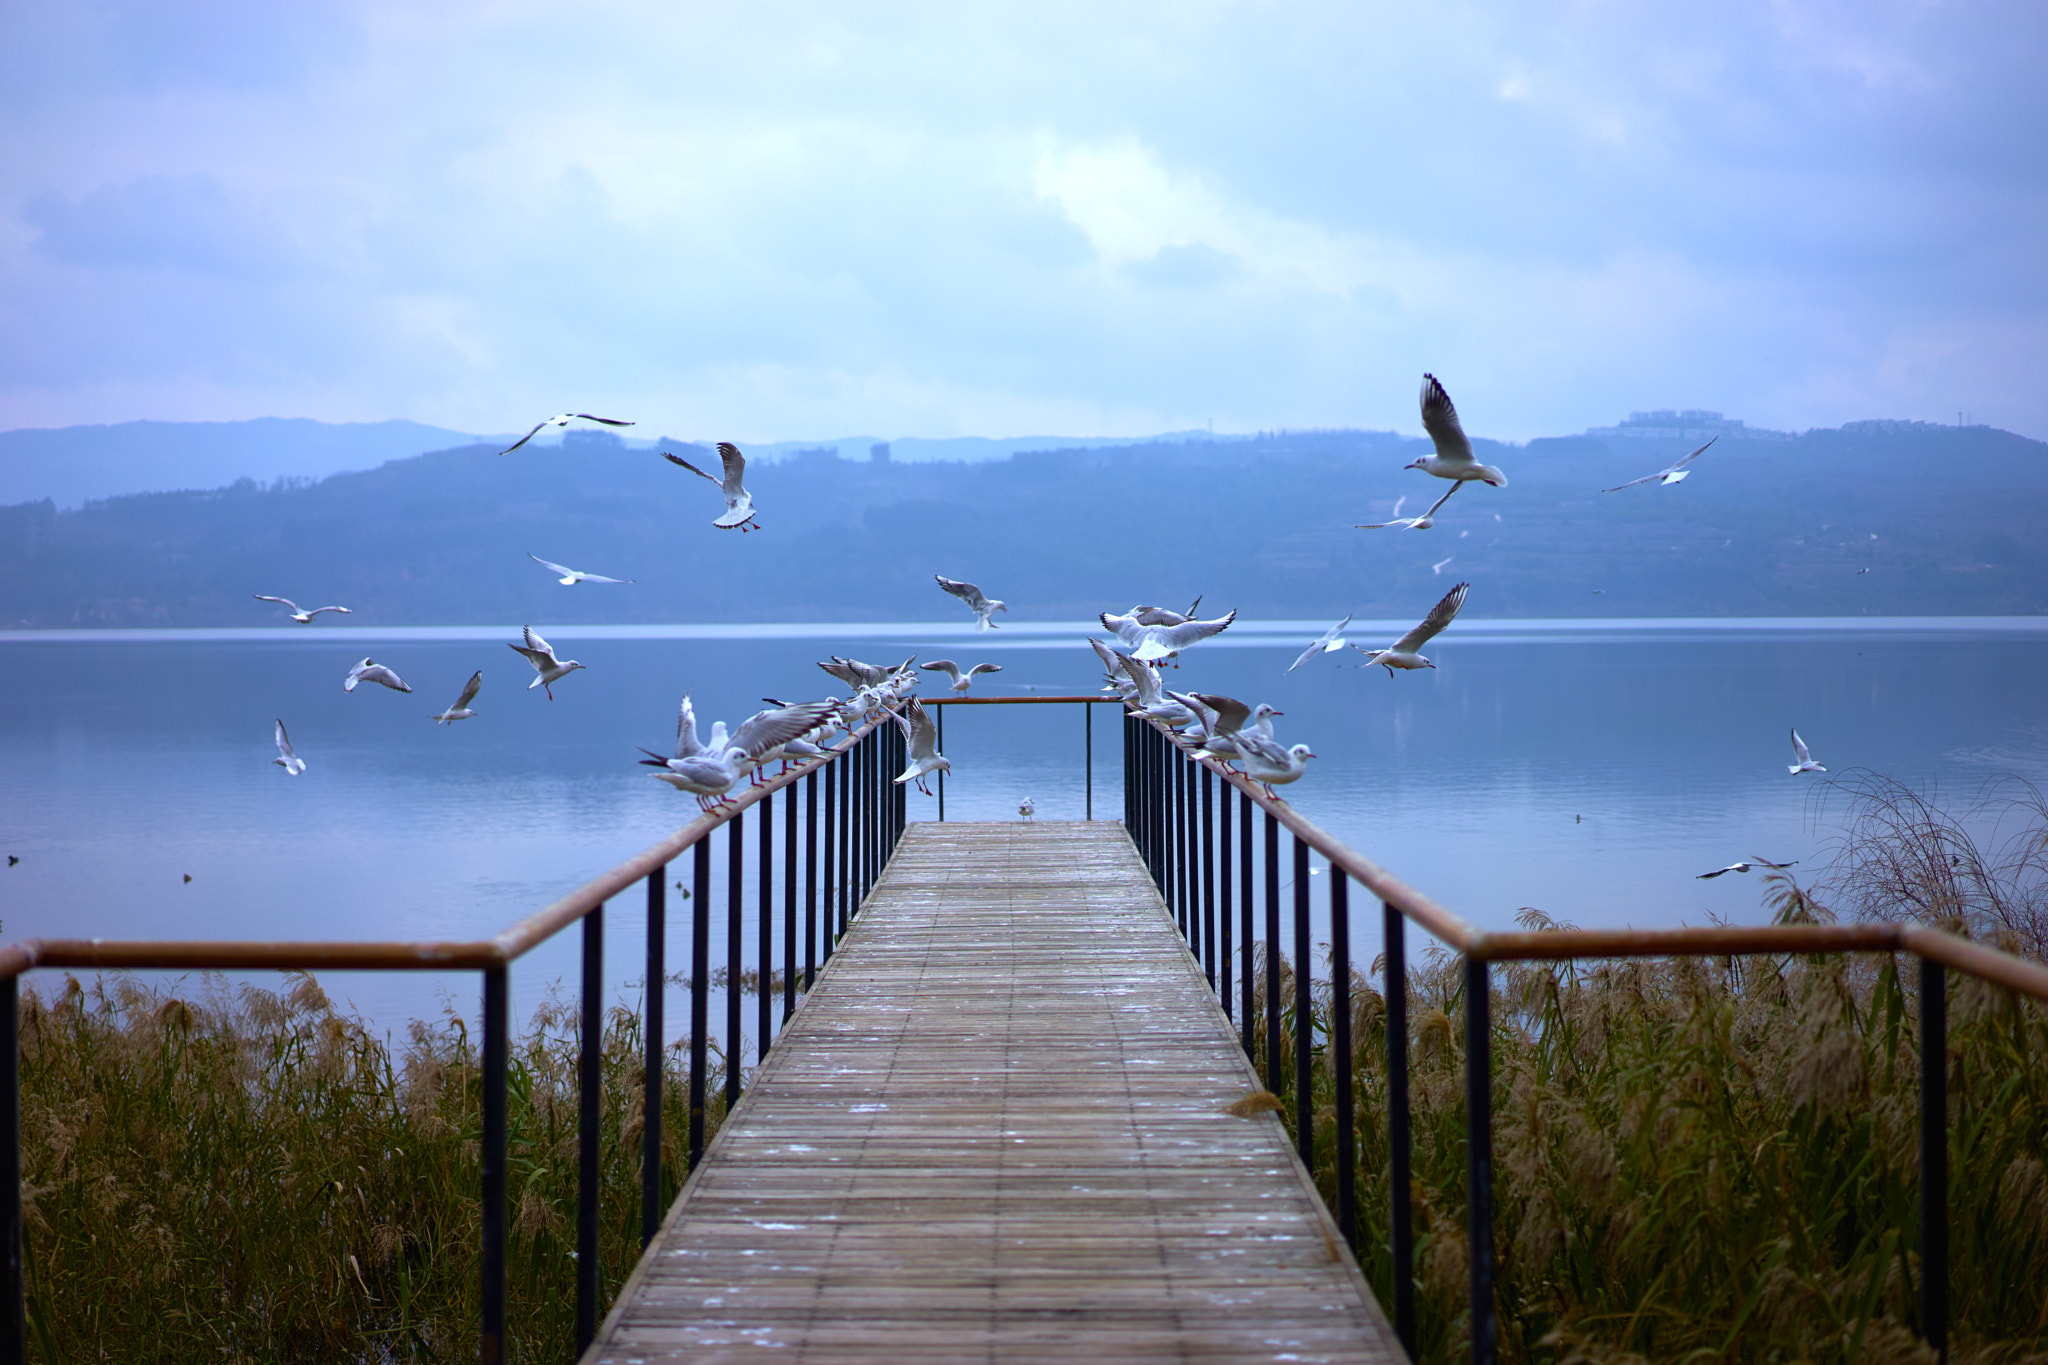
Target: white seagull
367,671
1149,642
1805,763
286,759
561,419
1218,719
1149,700
1160,616
571,577
304,618
1399,522
1403,654
1270,765
1453,459
541,655
982,607
1675,474
961,680
461,711
1027,808
712,770
923,736
1438,567
1754,861
739,503
686,739
1331,641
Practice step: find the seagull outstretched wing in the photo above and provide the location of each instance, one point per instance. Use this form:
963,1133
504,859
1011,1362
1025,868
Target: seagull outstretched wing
1440,615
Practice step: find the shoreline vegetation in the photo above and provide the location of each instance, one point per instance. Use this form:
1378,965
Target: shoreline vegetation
1698,1159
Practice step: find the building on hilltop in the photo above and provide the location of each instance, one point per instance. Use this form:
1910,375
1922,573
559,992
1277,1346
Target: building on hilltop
1691,424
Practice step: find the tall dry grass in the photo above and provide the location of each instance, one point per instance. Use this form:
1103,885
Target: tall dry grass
251,1176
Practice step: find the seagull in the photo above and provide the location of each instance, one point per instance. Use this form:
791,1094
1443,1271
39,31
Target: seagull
571,577
1675,474
854,673
1331,641
1754,861
1438,567
561,419
304,618
1160,616
376,673
961,680
686,739
1027,808
925,757
982,607
739,503
1148,643
1150,702
461,711
1399,522
1219,718
1269,765
1453,459
541,655
1403,654
1805,763
767,735
710,772
1114,680
286,759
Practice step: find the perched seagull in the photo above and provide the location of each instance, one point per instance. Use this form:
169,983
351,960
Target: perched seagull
304,618
1027,808
1148,642
1403,654
1115,679
1218,719
712,771
561,419
767,736
541,655
686,739
461,711
1331,641
571,577
961,680
982,607
1269,765
739,503
1399,522
923,736
854,673
1675,474
286,759
1754,861
1150,701
376,673
1805,763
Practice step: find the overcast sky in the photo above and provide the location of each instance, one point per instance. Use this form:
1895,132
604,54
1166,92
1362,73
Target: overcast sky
782,220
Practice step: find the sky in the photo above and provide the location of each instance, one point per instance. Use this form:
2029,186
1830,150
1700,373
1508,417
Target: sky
778,221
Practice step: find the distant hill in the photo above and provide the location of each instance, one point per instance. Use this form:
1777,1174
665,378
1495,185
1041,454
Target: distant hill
1946,520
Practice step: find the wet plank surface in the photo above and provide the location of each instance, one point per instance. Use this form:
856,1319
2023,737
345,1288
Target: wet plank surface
994,1132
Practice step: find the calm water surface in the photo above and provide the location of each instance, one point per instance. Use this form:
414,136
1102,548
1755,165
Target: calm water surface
1589,771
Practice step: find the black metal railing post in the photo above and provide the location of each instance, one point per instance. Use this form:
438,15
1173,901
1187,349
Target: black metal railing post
1400,1174
1207,827
1244,884
1088,757
764,931
1934,1156
843,884
1479,1157
589,1079
14,1330
497,1054
1130,781
700,991
831,864
1340,1052
653,1023
788,901
939,720
1272,952
1224,907
811,879
1304,1014
735,917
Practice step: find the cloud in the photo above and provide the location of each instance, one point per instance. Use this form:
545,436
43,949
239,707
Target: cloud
155,222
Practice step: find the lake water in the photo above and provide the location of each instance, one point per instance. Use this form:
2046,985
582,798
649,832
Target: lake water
1588,769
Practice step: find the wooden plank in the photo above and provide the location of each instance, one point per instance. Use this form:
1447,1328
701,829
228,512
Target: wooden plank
995,1130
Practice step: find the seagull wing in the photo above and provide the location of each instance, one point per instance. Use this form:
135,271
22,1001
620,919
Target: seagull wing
966,592
563,569
1440,420
1799,749
924,734
524,439
1205,716
1440,615
677,459
735,468
284,742
1307,654
1144,677
469,690
343,610
285,600
1189,632
980,669
1690,458
768,730
1231,714
608,421
539,658
945,666
1647,478
535,642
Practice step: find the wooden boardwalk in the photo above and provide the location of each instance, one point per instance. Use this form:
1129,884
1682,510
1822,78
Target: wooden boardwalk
994,1132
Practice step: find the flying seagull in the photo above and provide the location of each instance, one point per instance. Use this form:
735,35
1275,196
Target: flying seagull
1399,522
1438,567
1754,861
304,618
561,419
739,503
1332,640
571,577
461,711
1805,763
982,607
1149,643
367,671
961,680
541,655
1160,616
1453,459
1403,654
286,759
923,736
1675,474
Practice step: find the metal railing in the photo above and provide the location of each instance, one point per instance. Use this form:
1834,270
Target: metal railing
842,848
1179,810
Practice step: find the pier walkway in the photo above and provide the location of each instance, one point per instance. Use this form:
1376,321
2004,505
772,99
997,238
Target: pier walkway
995,1131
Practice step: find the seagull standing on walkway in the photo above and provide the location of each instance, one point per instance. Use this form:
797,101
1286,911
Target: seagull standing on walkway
286,759
1148,643
1331,641
1805,763
1027,808
541,655
1675,474
304,618
961,680
561,419
1403,654
366,671
461,711
739,503
983,607
571,577
1453,459
923,737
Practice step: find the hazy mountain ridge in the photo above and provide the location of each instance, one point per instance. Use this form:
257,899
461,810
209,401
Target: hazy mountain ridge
1946,519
